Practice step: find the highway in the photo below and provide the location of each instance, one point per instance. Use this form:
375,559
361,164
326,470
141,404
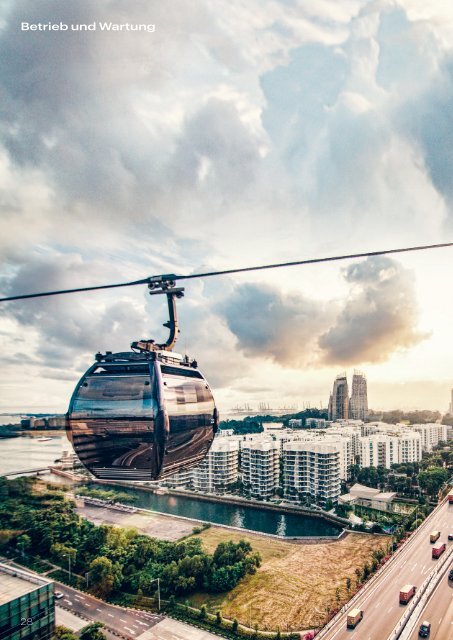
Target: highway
438,611
128,623
380,600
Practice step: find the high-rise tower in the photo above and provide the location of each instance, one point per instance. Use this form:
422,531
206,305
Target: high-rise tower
358,405
339,401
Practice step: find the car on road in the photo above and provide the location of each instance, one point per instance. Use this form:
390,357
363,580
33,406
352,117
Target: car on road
425,629
450,575
450,536
58,595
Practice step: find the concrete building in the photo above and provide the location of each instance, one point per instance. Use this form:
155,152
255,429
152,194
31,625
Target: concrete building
260,467
315,423
358,404
311,470
368,497
219,469
379,450
339,399
431,434
409,447
25,596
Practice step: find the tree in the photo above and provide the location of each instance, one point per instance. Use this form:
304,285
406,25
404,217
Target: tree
105,575
93,632
432,480
203,611
348,584
218,616
63,633
23,543
234,626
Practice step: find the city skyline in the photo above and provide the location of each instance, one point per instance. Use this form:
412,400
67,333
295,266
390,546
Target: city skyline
230,136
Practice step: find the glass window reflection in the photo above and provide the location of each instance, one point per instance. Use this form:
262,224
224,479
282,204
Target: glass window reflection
113,396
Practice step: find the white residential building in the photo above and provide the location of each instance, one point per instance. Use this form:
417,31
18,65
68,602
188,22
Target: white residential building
311,470
378,450
431,434
219,469
260,467
409,447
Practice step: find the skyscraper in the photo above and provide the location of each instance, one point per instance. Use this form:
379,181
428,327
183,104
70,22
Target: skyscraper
358,405
339,400
451,403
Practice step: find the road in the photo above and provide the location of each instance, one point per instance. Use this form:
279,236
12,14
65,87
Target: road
438,611
128,623
380,601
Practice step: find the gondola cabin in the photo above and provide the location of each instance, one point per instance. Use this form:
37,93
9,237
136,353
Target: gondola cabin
141,416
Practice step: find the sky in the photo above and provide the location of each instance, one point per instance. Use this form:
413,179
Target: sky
231,134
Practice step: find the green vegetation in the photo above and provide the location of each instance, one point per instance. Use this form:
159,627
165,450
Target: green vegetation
114,559
254,424
412,417
110,495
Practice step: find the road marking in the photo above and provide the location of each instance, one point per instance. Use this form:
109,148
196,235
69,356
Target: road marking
79,597
440,620
144,624
377,604
123,620
130,630
388,610
99,610
69,602
111,615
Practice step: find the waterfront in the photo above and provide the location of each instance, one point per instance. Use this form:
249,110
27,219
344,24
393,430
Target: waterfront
243,517
28,452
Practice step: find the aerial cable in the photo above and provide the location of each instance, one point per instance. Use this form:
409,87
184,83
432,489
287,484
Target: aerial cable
171,278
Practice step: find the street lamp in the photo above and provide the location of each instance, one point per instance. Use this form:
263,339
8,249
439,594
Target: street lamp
158,592
69,564
87,575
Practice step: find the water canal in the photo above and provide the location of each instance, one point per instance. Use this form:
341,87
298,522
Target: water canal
244,517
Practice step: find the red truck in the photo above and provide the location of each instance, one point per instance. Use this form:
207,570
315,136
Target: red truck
438,551
406,593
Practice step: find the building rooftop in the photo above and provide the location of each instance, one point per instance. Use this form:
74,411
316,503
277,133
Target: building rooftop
15,583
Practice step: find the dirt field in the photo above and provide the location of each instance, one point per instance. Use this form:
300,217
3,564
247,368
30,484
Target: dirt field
295,583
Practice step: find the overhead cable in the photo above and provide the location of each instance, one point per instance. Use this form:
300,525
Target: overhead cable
279,265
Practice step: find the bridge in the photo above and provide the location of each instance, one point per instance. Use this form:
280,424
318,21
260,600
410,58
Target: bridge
23,472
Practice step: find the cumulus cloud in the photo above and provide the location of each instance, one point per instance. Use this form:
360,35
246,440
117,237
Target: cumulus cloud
270,324
379,317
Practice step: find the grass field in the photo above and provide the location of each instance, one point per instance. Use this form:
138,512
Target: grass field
296,581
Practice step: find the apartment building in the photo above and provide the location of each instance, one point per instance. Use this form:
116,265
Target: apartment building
379,450
260,465
311,470
409,447
339,399
431,434
219,469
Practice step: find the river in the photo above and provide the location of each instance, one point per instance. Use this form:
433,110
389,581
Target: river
28,452
244,517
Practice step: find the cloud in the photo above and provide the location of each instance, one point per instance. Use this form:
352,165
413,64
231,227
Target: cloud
270,324
379,317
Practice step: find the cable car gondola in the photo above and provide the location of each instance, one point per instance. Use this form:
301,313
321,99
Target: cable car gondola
143,414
